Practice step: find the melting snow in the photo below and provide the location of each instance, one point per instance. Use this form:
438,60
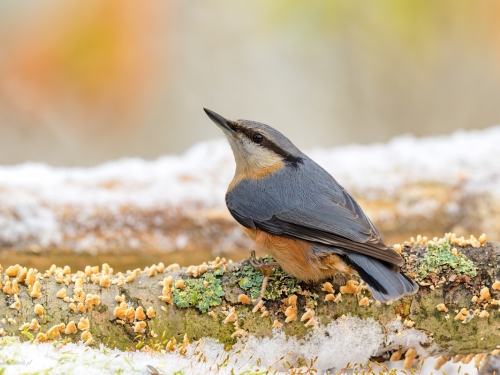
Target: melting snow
33,196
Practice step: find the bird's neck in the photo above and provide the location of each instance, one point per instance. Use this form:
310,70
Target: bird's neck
254,171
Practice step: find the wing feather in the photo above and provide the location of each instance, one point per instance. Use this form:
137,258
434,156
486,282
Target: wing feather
289,204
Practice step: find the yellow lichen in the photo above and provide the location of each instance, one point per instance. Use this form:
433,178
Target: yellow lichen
327,287
17,303
14,288
350,288
85,335
467,359
478,358
34,325
152,271
39,310
61,293
258,306
442,307
441,361
104,281
150,312
171,345
364,302
130,313
41,337
410,356
185,343
88,271
231,316
243,298
173,267
22,274
179,284
131,278
329,297
30,277
482,239
36,292
409,323
13,270
79,282
83,324
139,313
139,326
484,314
496,285
309,316
291,314
120,310
81,308
70,328
54,332
462,315
485,294
396,356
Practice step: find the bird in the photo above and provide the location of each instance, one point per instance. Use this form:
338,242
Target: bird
299,214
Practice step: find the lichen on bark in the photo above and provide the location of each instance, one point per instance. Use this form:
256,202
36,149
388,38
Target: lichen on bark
206,305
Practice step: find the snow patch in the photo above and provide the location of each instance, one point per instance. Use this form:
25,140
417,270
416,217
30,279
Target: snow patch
48,206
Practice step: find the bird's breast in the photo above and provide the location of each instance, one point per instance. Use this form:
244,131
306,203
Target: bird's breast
255,172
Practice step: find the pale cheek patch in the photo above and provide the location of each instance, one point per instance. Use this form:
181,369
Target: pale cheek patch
251,157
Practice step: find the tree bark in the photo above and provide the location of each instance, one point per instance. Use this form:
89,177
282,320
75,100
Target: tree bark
216,308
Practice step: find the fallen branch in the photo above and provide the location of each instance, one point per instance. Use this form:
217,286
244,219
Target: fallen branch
162,308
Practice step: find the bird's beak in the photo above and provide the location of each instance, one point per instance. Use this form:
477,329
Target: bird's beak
220,121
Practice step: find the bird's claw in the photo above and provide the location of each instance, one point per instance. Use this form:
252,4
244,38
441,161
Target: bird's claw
261,264
265,267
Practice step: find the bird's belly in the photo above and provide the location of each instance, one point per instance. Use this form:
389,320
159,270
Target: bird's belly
297,257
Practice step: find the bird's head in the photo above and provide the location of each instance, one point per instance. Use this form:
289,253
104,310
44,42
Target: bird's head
257,146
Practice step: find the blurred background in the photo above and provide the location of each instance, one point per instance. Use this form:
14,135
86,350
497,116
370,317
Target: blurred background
85,83
82,83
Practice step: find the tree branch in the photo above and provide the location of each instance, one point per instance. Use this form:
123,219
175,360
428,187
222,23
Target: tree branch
452,314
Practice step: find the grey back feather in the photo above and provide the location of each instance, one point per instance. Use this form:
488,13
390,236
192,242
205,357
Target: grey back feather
304,201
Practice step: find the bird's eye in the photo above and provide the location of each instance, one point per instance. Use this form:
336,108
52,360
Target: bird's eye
257,137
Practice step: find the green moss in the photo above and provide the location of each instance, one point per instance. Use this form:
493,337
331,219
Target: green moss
280,283
195,294
440,259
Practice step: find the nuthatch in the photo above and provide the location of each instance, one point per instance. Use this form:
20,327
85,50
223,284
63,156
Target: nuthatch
295,211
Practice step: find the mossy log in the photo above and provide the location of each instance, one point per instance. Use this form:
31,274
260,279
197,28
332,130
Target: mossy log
458,314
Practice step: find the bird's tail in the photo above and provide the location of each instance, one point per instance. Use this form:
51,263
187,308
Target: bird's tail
386,284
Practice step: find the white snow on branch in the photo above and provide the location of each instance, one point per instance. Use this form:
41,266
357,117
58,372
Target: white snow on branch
49,206
277,354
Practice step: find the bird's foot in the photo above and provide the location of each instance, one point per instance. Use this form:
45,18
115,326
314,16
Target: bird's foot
265,268
260,264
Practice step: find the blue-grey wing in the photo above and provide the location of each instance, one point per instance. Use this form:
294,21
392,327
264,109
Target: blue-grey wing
307,203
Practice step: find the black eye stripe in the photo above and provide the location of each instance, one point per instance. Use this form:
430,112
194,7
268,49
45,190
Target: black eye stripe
268,144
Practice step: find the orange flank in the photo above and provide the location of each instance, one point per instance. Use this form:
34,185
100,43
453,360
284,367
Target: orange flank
296,257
